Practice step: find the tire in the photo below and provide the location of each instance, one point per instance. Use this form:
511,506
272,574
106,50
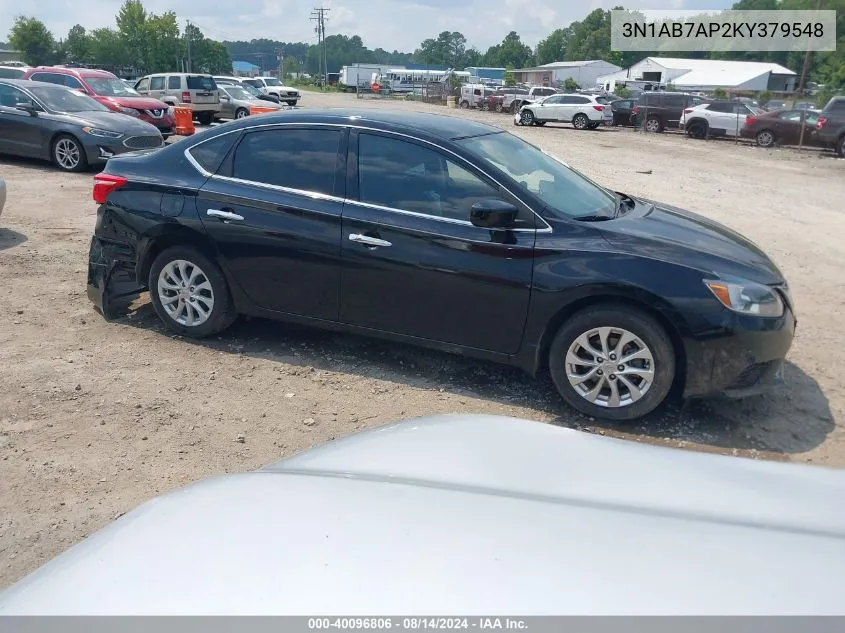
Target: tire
765,138
526,117
697,130
485,107
840,147
499,108
464,105
291,103
594,126
653,124
205,118
241,113
539,123
68,154
580,122
221,310
647,334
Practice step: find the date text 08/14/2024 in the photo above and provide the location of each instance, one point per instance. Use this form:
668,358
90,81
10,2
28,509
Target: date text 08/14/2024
416,623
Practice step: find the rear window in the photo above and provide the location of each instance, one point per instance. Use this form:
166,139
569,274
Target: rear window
210,154
200,82
835,105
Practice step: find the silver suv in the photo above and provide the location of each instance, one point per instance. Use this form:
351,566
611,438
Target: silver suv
184,90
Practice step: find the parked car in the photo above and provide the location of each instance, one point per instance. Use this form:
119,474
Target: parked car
493,102
235,102
449,233
660,110
185,90
514,101
623,112
275,88
239,81
775,104
111,92
2,193
830,128
473,96
13,72
717,118
511,517
583,111
42,120
782,127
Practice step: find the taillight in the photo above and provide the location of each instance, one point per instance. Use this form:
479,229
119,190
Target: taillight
750,119
687,110
186,97
820,123
635,110
104,184
600,108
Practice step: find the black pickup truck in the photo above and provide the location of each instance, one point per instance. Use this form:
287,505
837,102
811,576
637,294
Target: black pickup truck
830,129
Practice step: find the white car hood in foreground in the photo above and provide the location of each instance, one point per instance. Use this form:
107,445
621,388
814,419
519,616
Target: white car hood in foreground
469,515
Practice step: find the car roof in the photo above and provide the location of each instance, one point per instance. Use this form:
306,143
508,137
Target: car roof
29,84
438,125
81,72
469,515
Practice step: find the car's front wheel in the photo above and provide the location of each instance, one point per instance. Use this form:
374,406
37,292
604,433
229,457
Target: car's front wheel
840,147
68,153
190,293
291,103
612,362
526,117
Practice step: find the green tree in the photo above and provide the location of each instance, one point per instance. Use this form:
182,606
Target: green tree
290,65
33,40
107,48
622,92
513,51
719,93
510,78
77,45
570,85
553,48
131,26
448,49
164,45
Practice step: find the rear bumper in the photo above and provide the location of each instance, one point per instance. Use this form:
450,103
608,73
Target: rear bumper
111,276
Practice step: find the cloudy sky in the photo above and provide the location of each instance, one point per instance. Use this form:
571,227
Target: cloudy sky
391,24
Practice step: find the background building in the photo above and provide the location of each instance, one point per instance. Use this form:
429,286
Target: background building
584,73
482,72
707,74
245,69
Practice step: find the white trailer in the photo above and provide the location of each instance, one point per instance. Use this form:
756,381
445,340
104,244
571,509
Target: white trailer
359,76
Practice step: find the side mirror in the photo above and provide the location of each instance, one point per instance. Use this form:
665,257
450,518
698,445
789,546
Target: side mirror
224,98
31,108
493,214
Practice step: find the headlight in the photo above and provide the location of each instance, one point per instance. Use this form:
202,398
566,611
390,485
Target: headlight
93,131
747,297
130,111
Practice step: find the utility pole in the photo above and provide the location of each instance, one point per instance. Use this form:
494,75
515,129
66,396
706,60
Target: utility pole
188,38
318,15
806,67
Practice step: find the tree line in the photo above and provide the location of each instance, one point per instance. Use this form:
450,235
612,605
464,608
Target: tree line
155,43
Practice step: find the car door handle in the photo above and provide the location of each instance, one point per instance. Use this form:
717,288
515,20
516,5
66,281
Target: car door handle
223,215
368,240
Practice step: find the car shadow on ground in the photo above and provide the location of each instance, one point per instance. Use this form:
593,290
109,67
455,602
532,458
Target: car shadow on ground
10,238
794,419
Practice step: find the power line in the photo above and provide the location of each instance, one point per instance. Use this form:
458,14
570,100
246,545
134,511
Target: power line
318,15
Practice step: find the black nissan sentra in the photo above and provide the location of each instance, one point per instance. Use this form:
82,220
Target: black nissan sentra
447,233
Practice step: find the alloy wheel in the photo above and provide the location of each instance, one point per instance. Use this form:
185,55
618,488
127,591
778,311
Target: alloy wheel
68,153
580,122
185,293
241,114
526,117
652,125
765,139
610,367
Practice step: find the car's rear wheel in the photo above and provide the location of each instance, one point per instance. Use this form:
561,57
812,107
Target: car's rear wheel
612,362
697,130
765,138
526,117
653,124
241,113
190,293
580,122
840,147
68,153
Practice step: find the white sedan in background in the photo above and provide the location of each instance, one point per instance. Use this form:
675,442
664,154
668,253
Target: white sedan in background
468,515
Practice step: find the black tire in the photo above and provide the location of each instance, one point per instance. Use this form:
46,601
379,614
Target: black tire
291,103
580,122
526,117
539,123
766,138
697,130
499,108
241,113
222,313
649,331
594,126
66,142
464,105
840,147
653,124
205,118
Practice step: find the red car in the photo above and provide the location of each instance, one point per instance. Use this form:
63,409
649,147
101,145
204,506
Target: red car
110,91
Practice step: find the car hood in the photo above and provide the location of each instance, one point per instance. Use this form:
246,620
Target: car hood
112,121
468,515
672,234
139,103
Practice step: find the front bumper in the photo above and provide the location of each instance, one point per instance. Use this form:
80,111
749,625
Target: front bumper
746,358
111,276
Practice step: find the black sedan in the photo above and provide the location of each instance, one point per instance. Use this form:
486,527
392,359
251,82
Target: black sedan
41,120
446,233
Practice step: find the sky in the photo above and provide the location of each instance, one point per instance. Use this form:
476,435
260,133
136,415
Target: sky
389,24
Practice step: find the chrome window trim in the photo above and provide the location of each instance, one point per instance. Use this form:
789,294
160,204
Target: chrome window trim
545,229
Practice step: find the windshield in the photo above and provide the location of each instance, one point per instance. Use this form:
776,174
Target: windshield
272,81
64,100
106,87
562,189
250,89
236,92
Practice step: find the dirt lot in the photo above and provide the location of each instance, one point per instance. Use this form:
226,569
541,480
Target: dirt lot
96,417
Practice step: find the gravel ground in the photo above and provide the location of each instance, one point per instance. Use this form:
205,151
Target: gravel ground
96,417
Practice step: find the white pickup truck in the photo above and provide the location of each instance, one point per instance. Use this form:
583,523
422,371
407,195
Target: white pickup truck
273,87
513,102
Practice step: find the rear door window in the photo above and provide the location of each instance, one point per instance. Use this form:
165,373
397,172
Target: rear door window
302,159
174,82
